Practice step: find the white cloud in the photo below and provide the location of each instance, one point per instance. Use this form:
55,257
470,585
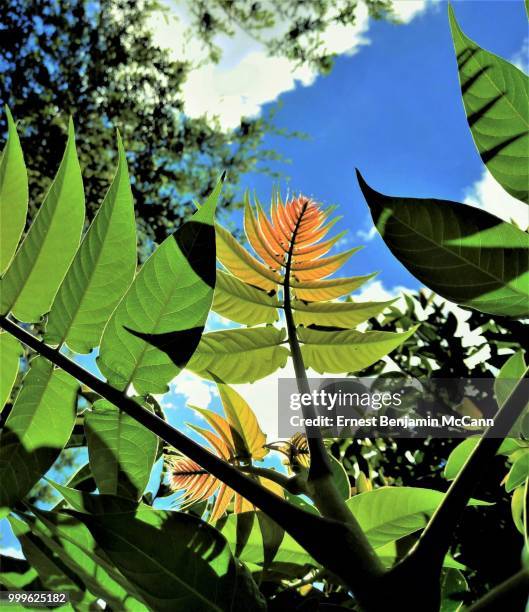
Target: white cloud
368,235
246,76
488,194
11,551
196,391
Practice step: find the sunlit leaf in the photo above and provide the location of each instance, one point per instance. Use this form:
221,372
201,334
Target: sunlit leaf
36,430
337,314
74,561
243,303
239,262
13,194
328,289
10,353
121,451
250,439
158,324
389,513
518,473
334,352
101,271
463,253
41,262
240,355
496,99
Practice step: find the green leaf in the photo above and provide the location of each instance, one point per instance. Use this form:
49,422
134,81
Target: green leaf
459,455
390,513
243,303
329,288
463,253
79,545
255,545
10,353
53,572
173,560
13,194
17,574
83,564
158,324
517,507
240,355
121,451
513,370
341,480
337,314
518,473
36,430
453,588
32,280
333,352
496,99
101,271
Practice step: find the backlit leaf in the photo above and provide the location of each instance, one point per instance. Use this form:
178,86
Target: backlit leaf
496,99
389,513
250,440
463,253
13,194
121,451
328,289
238,356
334,352
239,262
243,303
158,324
36,430
101,271
10,353
41,262
337,314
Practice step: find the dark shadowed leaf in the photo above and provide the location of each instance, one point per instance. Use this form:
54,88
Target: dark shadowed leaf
122,452
36,430
463,253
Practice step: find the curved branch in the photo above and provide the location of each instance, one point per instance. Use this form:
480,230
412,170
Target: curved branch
331,543
292,484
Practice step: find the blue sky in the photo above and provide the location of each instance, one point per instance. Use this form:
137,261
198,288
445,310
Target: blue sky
393,110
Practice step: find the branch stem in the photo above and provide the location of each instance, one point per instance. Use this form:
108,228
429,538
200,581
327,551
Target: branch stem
331,543
435,539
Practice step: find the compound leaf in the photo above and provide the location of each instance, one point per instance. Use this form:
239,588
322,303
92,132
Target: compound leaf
41,262
101,271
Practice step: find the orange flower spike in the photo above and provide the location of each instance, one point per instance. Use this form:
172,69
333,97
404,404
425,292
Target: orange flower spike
312,251
279,222
256,239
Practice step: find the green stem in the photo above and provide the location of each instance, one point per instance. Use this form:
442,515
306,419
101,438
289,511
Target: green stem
320,482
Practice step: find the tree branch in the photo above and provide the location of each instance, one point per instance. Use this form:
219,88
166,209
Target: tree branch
331,543
435,539
293,484
509,595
